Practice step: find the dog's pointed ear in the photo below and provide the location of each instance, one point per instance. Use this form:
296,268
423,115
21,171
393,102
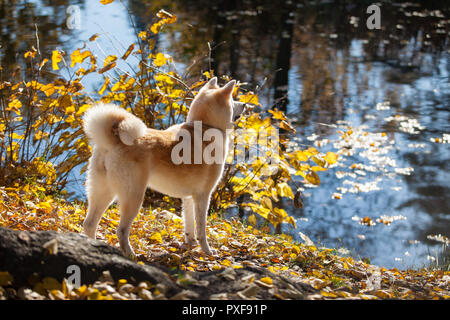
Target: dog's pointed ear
227,89
212,83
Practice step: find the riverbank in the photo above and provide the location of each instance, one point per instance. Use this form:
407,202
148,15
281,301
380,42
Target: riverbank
250,262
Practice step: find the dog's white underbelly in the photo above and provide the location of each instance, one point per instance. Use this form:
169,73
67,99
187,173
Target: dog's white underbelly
169,186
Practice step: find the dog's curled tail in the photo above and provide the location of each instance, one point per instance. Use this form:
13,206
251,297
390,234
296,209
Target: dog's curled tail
107,125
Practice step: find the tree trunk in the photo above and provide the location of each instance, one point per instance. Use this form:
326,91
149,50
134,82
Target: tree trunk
283,63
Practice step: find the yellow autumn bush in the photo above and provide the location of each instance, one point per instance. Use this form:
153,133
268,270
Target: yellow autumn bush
41,137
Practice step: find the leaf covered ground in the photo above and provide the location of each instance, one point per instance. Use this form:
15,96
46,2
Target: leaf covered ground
157,237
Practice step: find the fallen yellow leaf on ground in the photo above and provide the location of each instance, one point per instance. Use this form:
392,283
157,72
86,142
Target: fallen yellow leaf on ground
266,280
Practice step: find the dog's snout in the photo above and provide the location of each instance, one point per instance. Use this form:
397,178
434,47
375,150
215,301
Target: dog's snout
238,109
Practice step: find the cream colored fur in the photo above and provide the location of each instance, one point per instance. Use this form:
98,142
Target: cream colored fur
128,157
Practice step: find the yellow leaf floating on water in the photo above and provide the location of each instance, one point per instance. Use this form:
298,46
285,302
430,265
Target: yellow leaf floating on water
336,195
367,221
331,158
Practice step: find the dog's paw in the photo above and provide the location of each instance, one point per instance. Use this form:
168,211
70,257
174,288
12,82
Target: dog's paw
130,255
189,245
211,252
191,242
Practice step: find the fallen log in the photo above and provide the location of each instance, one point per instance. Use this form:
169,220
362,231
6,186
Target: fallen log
30,257
27,255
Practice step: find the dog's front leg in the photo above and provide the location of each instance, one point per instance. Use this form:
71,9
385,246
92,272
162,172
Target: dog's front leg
189,222
201,204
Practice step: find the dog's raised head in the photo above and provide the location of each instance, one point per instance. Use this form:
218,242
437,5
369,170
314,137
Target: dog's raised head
214,105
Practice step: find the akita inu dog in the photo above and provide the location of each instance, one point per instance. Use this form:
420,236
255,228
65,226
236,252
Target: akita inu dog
128,157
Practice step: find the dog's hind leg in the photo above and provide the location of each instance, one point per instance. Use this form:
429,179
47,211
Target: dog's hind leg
99,195
201,212
130,202
189,222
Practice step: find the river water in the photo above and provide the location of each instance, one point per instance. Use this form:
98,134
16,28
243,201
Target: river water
319,61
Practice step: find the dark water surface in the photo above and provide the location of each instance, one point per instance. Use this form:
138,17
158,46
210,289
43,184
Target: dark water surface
318,61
